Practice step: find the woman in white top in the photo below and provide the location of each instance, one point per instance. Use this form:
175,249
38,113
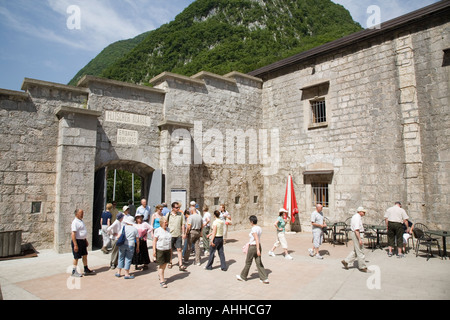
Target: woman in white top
114,231
206,219
126,250
225,216
254,252
280,225
162,240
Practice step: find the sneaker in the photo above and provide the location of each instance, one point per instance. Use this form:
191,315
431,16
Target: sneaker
271,254
75,274
264,281
400,256
318,256
311,252
289,257
239,277
389,254
88,272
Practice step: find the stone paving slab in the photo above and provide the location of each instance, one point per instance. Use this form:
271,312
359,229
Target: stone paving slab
46,277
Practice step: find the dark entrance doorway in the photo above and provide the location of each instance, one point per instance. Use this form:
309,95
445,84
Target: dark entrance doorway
151,188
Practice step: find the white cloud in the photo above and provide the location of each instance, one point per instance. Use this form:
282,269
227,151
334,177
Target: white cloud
389,9
102,22
22,25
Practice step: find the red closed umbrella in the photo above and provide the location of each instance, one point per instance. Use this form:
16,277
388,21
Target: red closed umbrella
290,203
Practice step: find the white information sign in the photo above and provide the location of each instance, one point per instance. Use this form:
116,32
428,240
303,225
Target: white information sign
178,195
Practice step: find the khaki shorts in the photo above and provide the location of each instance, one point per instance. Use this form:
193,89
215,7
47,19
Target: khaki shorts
281,240
162,257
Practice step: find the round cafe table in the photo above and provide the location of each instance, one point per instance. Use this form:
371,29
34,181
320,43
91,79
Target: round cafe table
442,234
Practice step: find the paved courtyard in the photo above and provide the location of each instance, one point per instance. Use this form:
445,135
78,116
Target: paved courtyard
46,277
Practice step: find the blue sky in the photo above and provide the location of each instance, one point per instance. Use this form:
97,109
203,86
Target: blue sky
41,39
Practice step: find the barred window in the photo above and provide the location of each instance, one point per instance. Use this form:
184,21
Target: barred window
320,194
36,207
318,111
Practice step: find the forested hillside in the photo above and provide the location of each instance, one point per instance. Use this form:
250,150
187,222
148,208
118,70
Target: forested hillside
225,35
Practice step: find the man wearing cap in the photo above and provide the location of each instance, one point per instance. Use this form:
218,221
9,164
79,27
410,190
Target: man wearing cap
127,249
395,217
357,239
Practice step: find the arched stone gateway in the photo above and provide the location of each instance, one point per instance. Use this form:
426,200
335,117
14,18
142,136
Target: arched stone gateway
151,189
114,128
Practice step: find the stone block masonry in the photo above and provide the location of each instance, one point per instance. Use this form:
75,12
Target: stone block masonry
383,111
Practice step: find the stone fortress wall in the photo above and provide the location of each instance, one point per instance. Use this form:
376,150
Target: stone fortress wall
235,138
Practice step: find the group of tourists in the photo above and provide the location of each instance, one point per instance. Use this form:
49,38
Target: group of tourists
171,231
399,230
181,232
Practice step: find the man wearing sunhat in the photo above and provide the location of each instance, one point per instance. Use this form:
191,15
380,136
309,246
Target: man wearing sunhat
358,247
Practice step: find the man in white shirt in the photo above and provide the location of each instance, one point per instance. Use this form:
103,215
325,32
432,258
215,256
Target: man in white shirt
79,244
317,223
144,210
357,239
194,233
395,217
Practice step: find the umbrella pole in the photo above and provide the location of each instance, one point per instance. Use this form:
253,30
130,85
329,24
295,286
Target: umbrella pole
289,206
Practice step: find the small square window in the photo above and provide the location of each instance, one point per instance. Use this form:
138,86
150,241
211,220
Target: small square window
237,200
36,207
255,199
318,111
320,194
216,201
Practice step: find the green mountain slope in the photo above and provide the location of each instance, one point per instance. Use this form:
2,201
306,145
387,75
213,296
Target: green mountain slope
231,35
110,55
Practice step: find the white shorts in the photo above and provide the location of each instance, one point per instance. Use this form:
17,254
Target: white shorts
317,237
281,240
